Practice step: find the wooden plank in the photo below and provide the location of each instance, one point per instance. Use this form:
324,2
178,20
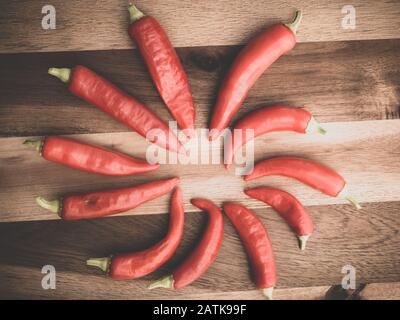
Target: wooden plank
341,81
369,241
371,176
102,25
381,291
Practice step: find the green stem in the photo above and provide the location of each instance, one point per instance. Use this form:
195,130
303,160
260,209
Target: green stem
321,130
35,144
313,126
64,74
53,206
102,263
303,241
165,282
134,13
296,22
267,292
353,201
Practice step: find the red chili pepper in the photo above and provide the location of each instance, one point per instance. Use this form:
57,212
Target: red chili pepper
249,65
306,171
289,207
257,243
203,256
165,67
107,202
139,264
90,158
101,93
265,120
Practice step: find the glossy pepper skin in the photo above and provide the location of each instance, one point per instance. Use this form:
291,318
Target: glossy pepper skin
139,264
266,120
309,172
164,67
258,246
101,93
109,202
247,68
203,255
90,158
289,207
306,171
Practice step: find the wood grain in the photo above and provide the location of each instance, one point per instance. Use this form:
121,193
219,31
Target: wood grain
102,25
369,241
381,291
352,87
342,81
371,176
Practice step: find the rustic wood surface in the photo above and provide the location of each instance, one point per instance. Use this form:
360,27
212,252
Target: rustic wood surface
371,176
369,241
351,87
102,25
336,81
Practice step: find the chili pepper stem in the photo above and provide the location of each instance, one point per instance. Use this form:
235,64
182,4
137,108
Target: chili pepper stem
303,241
35,144
102,263
165,282
293,26
134,13
53,206
353,201
344,195
313,126
267,292
64,74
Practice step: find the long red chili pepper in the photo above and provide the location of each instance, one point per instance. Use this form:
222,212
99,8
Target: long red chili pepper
269,119
306,171
107,202
101,93
249,65
203,256
165,67
289,207
257,243
90,158
139,264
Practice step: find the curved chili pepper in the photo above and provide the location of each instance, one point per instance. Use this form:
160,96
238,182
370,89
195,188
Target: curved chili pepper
165,68
139,264
257,243
107,202
289,207
101,93
203,255
306,171
89,158
269,119
249,65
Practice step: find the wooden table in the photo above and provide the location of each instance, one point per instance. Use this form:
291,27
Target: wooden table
348,78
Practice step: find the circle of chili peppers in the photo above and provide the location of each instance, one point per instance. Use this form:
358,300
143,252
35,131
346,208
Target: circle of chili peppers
151,39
